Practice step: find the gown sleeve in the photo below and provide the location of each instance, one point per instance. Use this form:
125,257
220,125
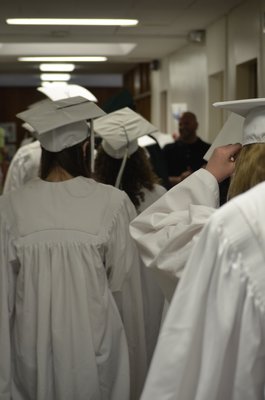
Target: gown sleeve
124,269
7,284
24,166
212,342
164,232
15,173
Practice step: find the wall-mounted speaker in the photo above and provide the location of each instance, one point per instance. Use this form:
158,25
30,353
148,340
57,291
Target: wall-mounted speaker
196,36
155,65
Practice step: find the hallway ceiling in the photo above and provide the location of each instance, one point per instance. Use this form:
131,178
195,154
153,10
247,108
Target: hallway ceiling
163,28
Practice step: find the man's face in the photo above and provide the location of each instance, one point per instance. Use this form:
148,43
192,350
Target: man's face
187,127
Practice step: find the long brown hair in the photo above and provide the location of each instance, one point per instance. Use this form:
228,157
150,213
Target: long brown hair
249,170
138,173
72,160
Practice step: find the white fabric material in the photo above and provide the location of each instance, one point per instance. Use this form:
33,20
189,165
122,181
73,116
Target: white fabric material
61,333
153,297
253,110
60,91
212,344
241,107
123,152
253,129
230,133
151,197
120,130
23,167
164,231
61,124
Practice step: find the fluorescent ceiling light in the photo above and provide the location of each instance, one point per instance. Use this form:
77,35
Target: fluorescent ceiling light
55,77
57,67
63,59
71,21
72,49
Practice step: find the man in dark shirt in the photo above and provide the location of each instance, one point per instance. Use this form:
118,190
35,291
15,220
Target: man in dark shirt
185,155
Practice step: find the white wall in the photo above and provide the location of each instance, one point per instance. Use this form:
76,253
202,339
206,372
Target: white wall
159,84
243,33
233,39
188,82
216,46
216,51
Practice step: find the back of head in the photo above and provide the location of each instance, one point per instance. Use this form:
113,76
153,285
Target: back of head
75,160
137,173
249,170
62,130
120,131
250,164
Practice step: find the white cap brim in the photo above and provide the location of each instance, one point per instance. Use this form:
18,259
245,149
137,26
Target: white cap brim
230,133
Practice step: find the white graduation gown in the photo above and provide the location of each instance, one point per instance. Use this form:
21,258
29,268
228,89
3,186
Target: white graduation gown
61,334
150,196
164,232
23,167
212,344
153,296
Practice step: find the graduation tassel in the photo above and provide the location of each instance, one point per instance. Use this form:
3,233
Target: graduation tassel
92,147
119,177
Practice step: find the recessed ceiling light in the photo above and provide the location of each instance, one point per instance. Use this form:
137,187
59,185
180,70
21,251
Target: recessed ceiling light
71,21
55,77
57,67
64,59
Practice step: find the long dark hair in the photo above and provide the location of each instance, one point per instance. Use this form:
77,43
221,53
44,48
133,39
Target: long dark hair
138,173
71,159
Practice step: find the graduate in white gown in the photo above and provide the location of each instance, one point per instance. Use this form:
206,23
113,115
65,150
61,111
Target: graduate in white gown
24,166
166,231
66,263
121,162
212,344
26,162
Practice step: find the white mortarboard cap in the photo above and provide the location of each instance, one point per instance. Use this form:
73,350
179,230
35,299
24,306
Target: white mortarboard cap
231,132
120,131
26,125
61,124
246,125
40,103
61,91
254,112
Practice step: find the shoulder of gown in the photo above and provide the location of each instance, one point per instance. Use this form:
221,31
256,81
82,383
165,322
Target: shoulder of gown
212,344
164,232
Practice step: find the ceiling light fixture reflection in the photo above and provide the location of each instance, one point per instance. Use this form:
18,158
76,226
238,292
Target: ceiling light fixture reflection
55,77
71,21
63,59
57,67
